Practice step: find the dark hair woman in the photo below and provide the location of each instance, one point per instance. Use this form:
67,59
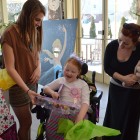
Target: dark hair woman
121,57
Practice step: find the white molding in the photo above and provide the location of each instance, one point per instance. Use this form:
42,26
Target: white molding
3,7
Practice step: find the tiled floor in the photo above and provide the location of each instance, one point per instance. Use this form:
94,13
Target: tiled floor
103,101
103,104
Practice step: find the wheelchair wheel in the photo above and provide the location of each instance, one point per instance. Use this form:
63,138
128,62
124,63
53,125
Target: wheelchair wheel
41,132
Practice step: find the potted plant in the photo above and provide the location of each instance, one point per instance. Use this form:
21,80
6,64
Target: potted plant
92,28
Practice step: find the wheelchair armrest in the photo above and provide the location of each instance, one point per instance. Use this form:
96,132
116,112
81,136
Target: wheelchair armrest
43,94
58,72
46,95
97,97
93,76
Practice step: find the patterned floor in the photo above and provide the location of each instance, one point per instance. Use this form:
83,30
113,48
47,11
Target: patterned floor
103,104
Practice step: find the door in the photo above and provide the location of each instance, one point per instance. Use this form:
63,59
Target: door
92,36
101,22
118,14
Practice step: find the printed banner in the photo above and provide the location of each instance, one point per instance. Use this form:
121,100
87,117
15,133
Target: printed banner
58,43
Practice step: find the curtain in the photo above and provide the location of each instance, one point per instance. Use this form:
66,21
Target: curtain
72,10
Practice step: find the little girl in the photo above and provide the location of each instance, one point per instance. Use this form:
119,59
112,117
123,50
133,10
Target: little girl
74,90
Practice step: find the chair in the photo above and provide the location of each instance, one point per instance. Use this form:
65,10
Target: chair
43,114
95,96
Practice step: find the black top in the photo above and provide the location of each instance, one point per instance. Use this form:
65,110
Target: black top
112,64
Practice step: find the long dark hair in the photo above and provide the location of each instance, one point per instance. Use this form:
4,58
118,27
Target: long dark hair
25,22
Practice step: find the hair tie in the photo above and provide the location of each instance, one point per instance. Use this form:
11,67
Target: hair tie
73,55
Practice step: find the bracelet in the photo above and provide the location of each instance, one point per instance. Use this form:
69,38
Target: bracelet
27,91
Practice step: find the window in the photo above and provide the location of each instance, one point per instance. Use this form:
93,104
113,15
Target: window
14,7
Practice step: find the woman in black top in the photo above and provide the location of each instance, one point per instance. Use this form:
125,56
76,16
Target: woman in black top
120,60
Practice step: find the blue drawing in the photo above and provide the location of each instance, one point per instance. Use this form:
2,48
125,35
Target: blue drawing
58,44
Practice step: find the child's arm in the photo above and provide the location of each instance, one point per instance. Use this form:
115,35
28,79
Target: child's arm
49,91
89,82
82,113
52,87
84,103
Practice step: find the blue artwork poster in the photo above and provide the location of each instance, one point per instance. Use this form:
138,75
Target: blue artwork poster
58,44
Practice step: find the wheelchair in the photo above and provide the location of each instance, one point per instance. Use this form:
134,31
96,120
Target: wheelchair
95,96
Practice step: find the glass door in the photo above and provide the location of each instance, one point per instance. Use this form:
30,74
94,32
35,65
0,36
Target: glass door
101,22
92,36
118,14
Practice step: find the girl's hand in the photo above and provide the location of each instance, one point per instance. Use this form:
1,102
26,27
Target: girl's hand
78,118
83,111
55,95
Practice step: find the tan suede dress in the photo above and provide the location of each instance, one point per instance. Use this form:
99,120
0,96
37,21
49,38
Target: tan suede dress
25,64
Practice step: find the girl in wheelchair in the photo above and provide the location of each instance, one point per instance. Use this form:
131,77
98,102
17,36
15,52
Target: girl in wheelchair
71,90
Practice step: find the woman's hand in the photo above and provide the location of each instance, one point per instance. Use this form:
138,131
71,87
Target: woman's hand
130,80
36,75
33,96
